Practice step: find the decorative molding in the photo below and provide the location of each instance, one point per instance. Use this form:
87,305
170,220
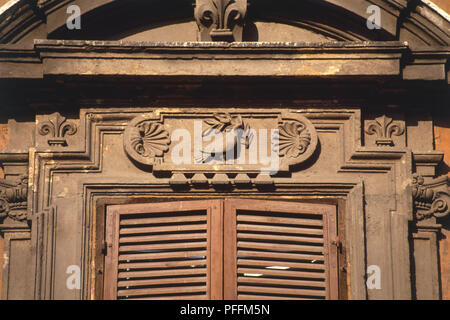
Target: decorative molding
431,199
220,20
384,127
57,127
45,253
229,142
13,199
221,181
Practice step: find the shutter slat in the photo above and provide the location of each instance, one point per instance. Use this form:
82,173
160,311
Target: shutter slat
163,250
155,282
269,263
279,252
166,264
278,247
159,291
163,237
277,255
282,273
272,237
287,291
278,229
281,282
161,273
172,228
162,255
278,220
162,246
189,297
144,221
267,297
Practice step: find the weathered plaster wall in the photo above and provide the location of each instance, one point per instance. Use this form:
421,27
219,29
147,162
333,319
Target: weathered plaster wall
442,140
443,4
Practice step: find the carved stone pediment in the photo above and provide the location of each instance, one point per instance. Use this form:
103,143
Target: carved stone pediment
431,199
227,142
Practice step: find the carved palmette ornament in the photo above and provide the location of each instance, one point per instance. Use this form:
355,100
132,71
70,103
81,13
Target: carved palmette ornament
146,141
297,141
56,128
220,20
294,139
13,199
384,128
431,199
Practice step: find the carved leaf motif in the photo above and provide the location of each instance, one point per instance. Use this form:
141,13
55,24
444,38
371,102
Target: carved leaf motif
294,139
150,139
220,122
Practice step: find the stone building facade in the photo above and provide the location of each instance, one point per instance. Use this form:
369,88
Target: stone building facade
334,187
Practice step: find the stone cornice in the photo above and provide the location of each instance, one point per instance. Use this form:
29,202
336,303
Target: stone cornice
288,59
200,59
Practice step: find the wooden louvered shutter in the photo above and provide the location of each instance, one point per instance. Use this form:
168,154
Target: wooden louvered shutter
279,250
164,251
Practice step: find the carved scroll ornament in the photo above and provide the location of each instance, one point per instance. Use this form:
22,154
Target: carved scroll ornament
220,20
13,199
431,199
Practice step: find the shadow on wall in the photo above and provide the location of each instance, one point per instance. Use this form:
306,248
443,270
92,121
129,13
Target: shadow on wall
442,142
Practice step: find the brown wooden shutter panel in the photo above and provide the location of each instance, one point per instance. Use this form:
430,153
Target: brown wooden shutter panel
279,250
163,251
214,249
